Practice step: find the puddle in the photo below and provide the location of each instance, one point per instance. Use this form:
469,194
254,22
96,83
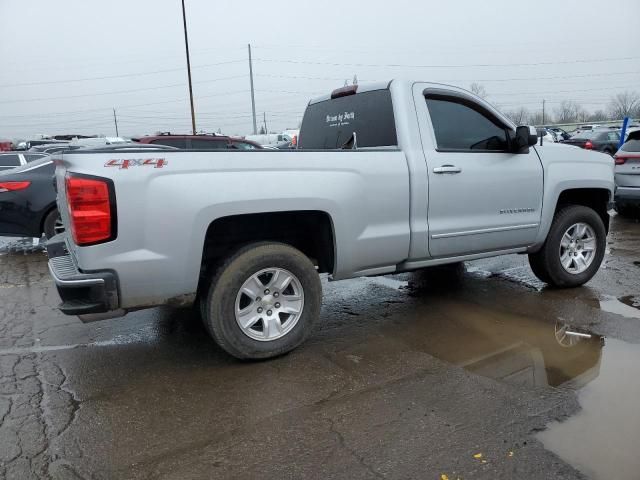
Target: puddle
602,439
538,350
627,306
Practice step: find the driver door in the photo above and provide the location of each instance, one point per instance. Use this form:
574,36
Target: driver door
482,197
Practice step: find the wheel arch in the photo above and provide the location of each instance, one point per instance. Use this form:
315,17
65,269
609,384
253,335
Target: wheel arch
596,195
310,231
50,208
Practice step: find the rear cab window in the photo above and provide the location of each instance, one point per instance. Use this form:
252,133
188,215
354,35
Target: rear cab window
331,124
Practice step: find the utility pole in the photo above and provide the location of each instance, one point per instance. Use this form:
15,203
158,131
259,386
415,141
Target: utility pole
253,100
115,120
543,101
186,46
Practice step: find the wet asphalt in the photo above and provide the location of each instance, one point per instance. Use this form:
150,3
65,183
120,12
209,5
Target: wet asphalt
471,373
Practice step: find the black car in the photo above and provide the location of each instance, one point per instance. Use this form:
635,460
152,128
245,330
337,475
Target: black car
28,201
605,141
28,197
11,160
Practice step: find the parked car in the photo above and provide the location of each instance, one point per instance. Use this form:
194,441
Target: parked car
271,139
6,145
605,141
560,133
199,142
388,177
547,135
11,160
627,176
28,198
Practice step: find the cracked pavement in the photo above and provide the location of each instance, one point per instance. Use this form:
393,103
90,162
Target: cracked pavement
408,376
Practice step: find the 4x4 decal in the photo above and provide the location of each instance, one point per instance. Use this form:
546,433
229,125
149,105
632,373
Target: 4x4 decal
123,164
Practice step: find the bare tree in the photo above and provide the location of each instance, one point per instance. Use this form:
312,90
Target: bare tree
598,116
535,118
625,104
518,116
568,111
478,89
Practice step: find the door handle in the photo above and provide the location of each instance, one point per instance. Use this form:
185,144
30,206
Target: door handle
447,169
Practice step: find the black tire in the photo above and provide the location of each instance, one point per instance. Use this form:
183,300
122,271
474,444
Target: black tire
49,224
546,263
538,269
219,312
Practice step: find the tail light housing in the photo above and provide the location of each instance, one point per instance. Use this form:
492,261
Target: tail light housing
92,211
13,186
621,160
588,145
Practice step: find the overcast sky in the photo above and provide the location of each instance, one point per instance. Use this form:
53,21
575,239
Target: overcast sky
65,64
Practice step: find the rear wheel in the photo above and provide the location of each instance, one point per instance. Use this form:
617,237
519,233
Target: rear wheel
263,301
573,250
52,224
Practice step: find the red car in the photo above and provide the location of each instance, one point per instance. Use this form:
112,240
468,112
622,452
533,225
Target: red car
199,142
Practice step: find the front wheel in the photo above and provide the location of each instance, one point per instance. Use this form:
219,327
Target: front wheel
573,250
263,301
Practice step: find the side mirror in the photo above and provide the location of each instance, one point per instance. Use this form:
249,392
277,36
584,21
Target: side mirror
525,137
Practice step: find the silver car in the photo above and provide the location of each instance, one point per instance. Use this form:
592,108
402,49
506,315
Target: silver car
627,175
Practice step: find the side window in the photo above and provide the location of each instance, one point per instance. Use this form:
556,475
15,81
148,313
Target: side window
171,142
31,157
613,136
9,161
457,126
243,146
201,144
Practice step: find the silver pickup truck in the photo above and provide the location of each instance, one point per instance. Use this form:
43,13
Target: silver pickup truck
388,177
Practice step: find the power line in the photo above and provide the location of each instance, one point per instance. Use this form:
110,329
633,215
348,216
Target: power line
124,75
477,65
64,97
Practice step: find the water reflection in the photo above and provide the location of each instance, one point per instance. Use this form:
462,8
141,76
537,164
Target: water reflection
601,440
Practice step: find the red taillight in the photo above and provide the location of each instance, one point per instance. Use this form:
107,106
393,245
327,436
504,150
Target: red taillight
90,210
621,160
13,186
588,145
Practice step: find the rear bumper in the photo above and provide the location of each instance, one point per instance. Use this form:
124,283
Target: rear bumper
627,195
82,293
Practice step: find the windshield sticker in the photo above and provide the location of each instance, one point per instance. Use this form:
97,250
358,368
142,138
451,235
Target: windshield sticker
340,119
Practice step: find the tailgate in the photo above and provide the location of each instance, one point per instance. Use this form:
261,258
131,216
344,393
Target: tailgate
628,174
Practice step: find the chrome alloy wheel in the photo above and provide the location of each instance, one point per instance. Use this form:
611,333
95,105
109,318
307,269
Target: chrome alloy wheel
269,304
58,227
578,248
